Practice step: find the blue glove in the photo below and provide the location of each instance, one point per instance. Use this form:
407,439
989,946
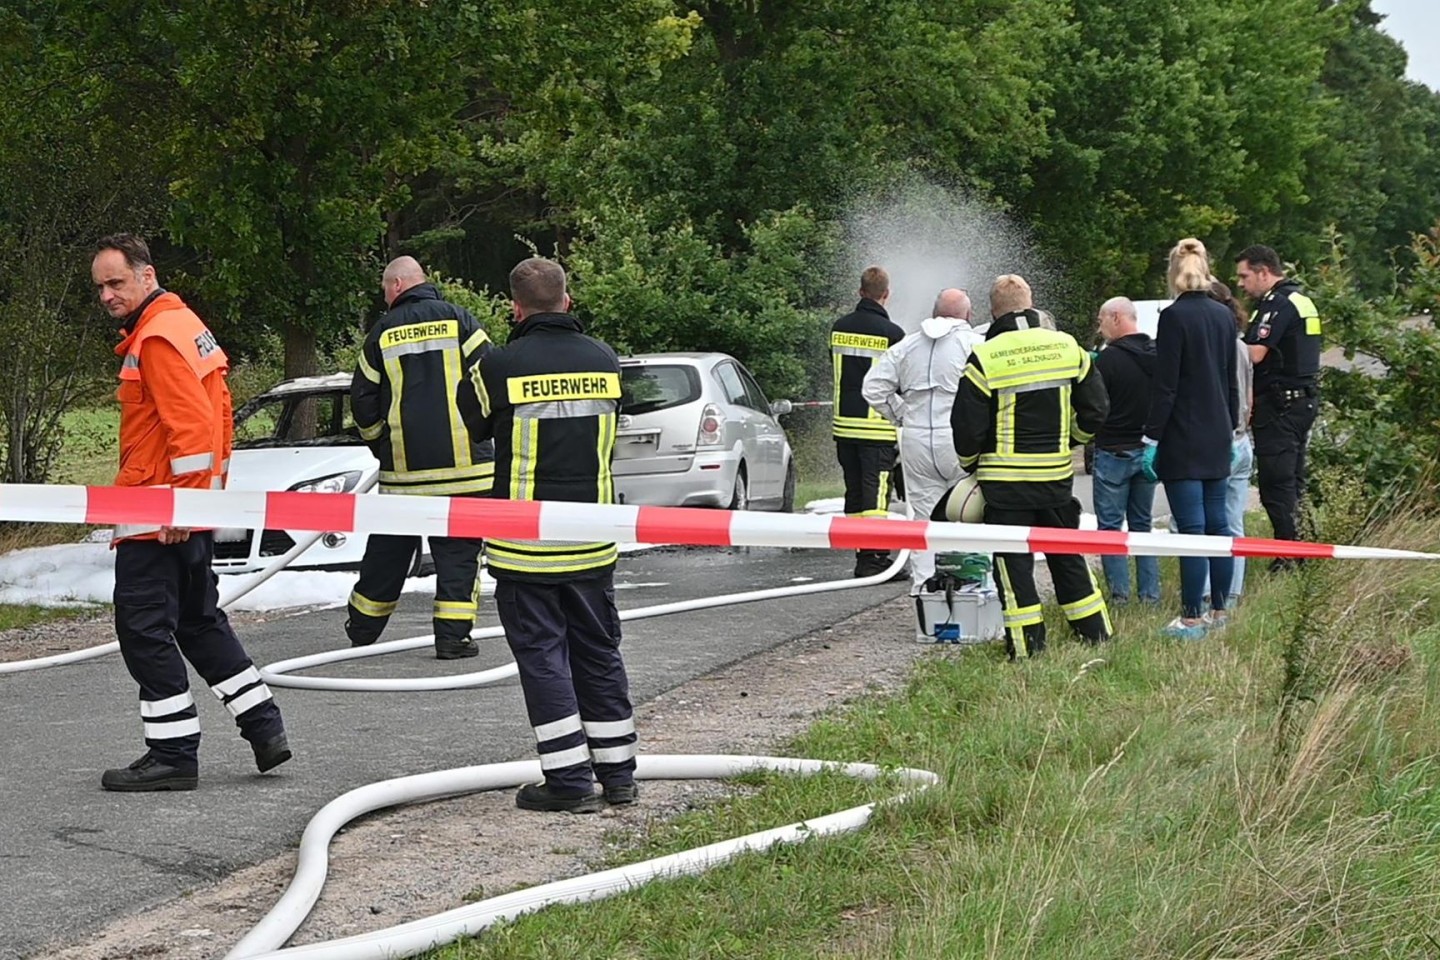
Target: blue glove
1147,462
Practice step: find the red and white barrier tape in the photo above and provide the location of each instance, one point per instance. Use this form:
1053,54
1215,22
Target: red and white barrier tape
550,520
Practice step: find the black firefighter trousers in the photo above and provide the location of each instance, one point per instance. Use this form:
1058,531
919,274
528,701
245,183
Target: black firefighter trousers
383,570
1075,586
867,469
566,642
166,612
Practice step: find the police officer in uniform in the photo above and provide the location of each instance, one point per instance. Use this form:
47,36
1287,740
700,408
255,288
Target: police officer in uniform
550,399
175,431
1029,394
1285,344
864,440
403,397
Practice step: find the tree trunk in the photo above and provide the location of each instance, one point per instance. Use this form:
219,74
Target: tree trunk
300,353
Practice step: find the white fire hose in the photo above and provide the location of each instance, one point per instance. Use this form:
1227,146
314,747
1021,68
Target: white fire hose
268,937
228,595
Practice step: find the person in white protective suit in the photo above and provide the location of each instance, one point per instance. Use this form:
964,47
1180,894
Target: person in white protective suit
913,384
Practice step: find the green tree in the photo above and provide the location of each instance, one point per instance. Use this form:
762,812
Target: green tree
69,166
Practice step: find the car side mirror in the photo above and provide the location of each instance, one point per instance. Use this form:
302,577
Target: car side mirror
781,407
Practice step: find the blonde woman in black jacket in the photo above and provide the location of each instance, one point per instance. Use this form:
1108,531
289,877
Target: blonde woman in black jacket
1191,426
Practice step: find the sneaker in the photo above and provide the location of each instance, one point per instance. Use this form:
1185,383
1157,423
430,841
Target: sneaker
271,753
1178,629
620,794
539,796
456,651
149,773
1216,619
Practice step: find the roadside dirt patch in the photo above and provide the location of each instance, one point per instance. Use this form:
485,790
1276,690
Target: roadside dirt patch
416,861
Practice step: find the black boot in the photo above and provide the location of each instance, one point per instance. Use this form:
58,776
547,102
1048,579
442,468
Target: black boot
149,773
620,794
539,796
271,753
450,650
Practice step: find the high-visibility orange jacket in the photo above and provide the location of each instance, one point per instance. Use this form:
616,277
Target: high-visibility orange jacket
176,425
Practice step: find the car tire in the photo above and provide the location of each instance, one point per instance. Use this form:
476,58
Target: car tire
740,496
787,496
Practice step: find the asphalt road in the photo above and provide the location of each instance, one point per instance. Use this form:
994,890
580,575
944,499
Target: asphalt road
73,857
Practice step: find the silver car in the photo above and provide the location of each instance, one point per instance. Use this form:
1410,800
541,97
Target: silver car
696,431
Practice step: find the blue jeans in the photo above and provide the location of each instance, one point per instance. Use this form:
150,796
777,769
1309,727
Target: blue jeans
1237,493
1198,506
1123,494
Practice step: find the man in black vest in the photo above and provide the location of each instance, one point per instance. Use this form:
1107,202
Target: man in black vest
1285,343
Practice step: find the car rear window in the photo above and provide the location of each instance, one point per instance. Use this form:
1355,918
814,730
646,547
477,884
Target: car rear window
645,388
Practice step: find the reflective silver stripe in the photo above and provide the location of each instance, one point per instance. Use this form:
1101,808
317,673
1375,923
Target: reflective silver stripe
557,728
248,699
856,352
163,708
173,730
241,680
131,362
564,409
193,463
123,530
610,728
225,465
614,754
217,483
1038,385
564,758
420,346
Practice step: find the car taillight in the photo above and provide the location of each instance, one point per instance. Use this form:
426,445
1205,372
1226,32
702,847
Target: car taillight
711,423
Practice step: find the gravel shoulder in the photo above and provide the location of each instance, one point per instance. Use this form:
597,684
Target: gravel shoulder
422,859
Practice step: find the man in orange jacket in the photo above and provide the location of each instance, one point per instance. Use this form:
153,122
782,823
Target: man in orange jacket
175,431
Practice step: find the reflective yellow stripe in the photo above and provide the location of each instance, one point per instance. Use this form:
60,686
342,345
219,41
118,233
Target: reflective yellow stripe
1016,631
524,439
1084,607
473,343
480,391
367,371
857,428
562,558
604,447
527,547
373,431
1063,447
977,376
454,610
440,488
1024,616
1029,475
459,436
396,375
1005,425
372,608
485,468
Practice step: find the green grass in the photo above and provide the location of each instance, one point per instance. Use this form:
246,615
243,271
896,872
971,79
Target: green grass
13,615
1270,792
90,452
805,491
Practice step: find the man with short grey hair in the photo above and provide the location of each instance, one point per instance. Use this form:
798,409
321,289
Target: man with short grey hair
1122,494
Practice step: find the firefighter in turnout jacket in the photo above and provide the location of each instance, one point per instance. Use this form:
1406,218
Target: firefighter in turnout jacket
175,431
550,398
864,440
403,397
1028,395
